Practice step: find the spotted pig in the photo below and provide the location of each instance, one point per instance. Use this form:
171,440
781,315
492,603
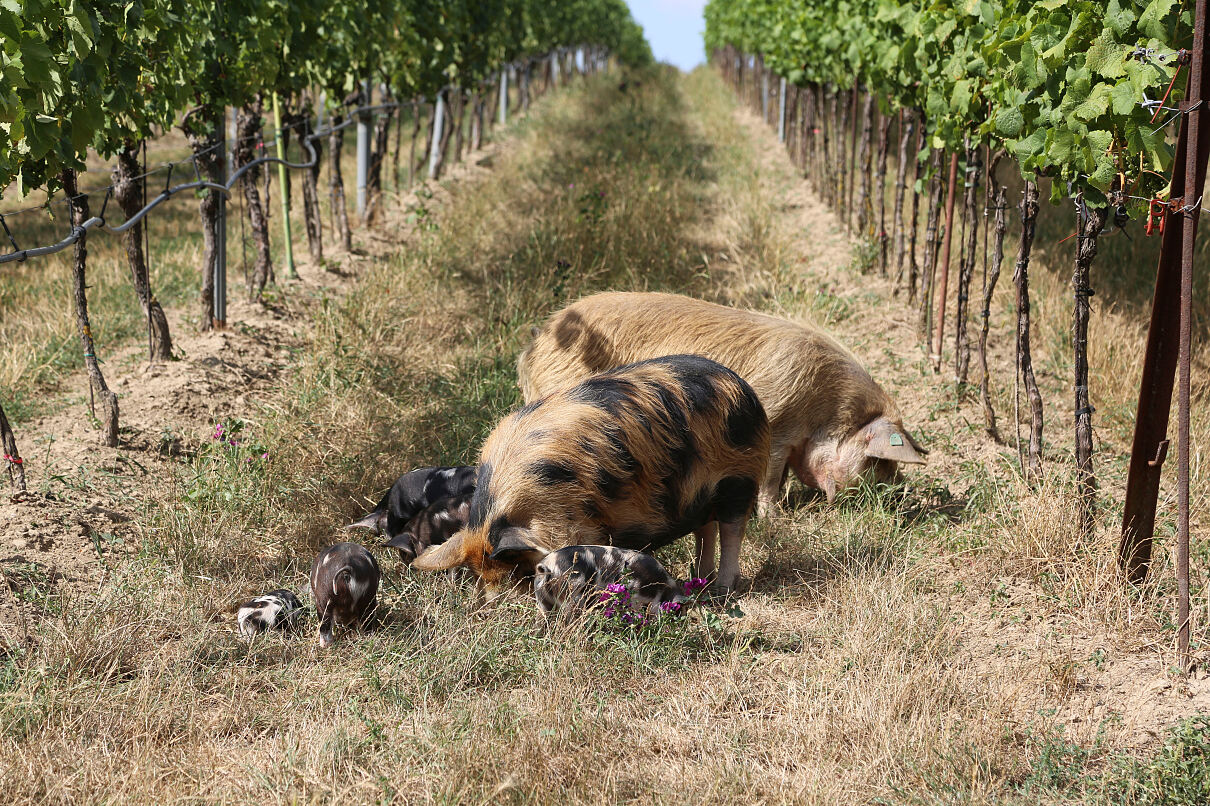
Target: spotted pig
411,493
276,610
829,419
344,581
576,575
635,457
433,526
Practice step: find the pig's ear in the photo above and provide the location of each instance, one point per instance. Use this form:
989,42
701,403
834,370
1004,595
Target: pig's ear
402,540
516,545
885,440
375,520
450,554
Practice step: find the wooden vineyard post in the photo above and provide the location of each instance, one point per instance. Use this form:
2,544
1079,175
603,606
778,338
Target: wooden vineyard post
98,389
1091,222
943,283
907,126
864,204
913,223
312,217
128,191
966,263
884,133
930,245
203,126
851,128
283,181
12,457
1025,368
996,199
337,207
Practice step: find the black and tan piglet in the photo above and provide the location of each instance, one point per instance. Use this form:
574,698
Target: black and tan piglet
344,581
413,492
576,576
434,525
635,457
276,610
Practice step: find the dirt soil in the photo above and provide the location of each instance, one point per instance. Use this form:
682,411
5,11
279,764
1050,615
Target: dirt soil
80,511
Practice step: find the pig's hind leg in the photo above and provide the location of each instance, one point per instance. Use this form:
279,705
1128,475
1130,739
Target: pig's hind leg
775,480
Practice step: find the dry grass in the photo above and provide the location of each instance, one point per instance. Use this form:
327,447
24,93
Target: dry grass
935,642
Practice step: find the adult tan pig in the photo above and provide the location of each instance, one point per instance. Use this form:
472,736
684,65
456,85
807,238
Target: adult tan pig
830,421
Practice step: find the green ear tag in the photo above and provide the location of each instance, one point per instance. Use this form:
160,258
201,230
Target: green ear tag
896,440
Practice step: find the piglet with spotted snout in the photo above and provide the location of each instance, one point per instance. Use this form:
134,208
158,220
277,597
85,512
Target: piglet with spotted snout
344,581
276,610
432,527
575,576
412,493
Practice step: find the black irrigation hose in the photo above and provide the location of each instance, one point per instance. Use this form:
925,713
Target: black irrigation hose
98,222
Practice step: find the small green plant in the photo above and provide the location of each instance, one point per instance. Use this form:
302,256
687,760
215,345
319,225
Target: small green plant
1060,764
1178,775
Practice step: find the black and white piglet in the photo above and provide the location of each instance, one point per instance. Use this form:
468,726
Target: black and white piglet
276,610
412,493
577,575
344,581
432,527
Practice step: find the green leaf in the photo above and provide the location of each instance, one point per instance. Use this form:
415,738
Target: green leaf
1095,105
1106,57
1151,21
1009,121
1123,99
1030,145
1118,19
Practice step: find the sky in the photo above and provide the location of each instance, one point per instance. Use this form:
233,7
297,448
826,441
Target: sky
674,29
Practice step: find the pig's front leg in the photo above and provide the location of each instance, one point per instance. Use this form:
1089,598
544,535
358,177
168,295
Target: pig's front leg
731,535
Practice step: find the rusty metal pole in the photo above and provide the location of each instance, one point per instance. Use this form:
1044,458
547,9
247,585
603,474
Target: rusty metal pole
945,263
1195,164
1150,446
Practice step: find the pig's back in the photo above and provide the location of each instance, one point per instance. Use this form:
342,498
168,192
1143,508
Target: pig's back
633,456
799,373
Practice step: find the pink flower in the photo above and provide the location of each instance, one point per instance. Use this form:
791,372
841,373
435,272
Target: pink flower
218,431
670,607
694,585
616,587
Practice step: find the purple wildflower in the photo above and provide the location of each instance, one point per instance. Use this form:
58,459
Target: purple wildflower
694,585
218,431
670,607
615,587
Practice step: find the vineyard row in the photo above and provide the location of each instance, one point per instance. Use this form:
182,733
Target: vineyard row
107,79
1062,89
